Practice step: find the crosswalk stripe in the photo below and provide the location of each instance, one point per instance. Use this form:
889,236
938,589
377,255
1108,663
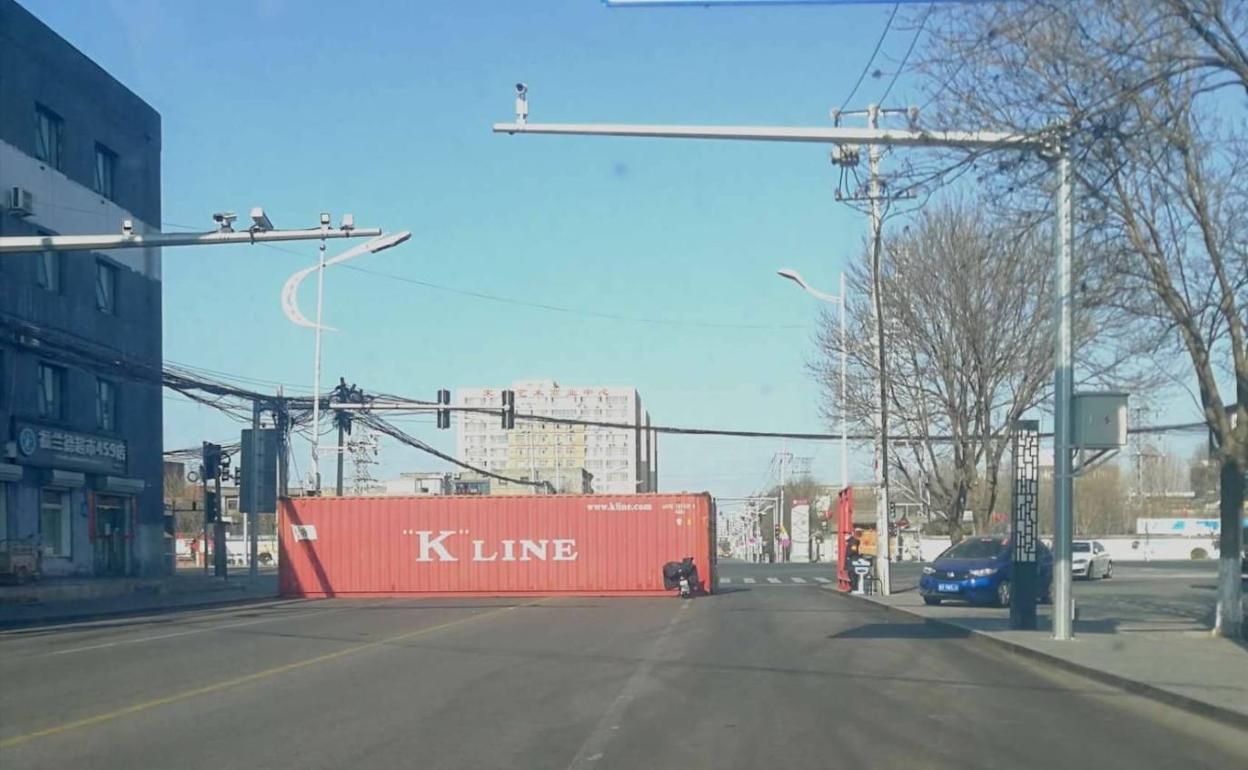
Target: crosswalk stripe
725,580
822,580
750,580
798,580
773,580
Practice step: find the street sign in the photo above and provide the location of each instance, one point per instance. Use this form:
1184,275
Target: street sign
48,446
260,454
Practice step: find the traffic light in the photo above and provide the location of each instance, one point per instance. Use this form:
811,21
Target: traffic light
444,415
509,409
212,508
211,460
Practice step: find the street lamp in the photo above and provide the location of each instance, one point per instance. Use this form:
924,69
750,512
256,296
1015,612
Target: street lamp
839,300
290,305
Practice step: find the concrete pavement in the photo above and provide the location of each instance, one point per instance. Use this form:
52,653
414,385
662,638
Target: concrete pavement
1147,628
752,677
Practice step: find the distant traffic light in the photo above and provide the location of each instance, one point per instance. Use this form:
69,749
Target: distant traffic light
211,460
444,415
509,409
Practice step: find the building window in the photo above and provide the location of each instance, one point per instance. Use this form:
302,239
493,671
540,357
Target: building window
106,287
54,522
4,512
105,170
48,271
49,136
105,405
51,384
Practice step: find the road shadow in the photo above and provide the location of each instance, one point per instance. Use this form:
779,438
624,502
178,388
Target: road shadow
903,631
997,624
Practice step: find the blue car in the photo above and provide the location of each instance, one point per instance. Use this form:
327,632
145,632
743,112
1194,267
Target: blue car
977,570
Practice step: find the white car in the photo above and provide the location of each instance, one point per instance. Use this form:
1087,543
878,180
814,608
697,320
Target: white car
1089,559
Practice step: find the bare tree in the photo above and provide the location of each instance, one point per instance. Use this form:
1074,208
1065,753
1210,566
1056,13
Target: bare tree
1149,95
967,314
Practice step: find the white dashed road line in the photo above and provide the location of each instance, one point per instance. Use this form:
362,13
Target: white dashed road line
750,581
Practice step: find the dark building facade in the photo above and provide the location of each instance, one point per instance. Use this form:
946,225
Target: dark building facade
80,332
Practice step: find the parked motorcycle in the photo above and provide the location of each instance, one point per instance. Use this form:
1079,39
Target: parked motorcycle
682,576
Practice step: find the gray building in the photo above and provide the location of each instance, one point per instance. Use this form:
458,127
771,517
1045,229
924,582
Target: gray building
80,332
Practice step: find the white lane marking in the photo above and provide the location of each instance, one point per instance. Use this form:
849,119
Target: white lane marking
798,580
750,581
773,580
822,580
724,581
593,749
191,632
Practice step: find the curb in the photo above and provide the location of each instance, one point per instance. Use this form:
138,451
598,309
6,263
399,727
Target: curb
1152,692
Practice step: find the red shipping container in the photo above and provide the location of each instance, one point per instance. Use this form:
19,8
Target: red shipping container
491,546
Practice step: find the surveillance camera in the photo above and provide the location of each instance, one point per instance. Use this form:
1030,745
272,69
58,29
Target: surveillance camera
127,227
325,219
348,222
225,219
522,103
260,220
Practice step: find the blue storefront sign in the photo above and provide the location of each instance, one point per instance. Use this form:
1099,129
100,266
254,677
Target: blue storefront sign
48,446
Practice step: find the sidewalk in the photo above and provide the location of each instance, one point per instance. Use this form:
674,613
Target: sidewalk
62,600
1175,661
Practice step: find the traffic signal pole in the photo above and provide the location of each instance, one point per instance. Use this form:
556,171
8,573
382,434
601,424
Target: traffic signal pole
1050,144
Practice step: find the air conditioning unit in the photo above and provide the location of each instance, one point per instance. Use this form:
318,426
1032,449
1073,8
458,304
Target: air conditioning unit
21,202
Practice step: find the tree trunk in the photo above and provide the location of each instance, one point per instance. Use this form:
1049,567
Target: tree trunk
1229,622
957,505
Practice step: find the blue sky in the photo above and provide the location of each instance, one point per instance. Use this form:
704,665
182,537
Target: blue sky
384,109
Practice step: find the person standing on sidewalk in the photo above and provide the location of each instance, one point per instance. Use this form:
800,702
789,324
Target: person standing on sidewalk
853,549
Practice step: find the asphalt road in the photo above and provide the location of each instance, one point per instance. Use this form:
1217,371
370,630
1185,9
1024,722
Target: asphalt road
780,675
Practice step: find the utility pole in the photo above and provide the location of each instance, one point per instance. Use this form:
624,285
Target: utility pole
253,482
341,450
282,423
874,195
203,480
1063,423
219,566
784,456
844,392
877,303
316,370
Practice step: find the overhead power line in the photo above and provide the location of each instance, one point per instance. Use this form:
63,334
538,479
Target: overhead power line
394,432
568,310
393,402
918,32
875,52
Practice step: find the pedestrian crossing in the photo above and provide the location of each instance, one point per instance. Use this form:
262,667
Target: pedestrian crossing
787,580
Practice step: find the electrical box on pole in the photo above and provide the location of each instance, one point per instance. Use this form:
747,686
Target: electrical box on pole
444,415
